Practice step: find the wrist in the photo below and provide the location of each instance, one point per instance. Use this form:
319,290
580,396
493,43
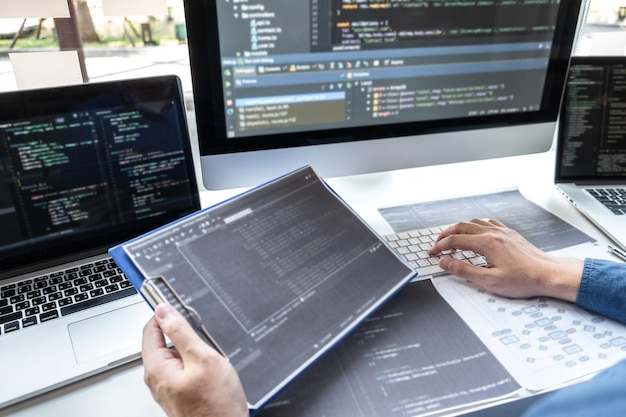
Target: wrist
562,278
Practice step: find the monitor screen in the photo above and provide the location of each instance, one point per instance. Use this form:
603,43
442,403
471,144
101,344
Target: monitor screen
354,86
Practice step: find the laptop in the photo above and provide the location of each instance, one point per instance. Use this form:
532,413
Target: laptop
591,146
82,168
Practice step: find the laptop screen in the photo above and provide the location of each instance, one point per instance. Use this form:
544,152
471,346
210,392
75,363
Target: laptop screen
88,166
592,127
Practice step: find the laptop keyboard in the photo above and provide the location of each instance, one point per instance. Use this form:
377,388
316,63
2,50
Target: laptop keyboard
414,244
612,198
38,300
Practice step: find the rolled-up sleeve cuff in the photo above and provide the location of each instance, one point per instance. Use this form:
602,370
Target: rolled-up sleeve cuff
603,288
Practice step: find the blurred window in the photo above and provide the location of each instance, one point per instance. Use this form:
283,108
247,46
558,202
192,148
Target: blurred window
109,47
604,30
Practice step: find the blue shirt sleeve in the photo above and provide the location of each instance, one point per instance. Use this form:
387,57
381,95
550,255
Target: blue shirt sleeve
603,288
603,395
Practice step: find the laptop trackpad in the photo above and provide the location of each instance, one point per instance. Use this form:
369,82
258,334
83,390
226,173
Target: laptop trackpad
116,331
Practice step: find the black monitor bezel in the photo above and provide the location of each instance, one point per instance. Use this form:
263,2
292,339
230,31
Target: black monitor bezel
205,60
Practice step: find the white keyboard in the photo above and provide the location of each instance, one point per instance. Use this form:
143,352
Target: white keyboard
413,245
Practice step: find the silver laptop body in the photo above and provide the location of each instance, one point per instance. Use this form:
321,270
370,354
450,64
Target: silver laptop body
81,169
591,146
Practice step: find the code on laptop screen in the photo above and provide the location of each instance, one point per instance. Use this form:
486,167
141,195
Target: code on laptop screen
106,164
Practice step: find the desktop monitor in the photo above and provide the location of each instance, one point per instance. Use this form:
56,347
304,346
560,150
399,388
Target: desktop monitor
361,86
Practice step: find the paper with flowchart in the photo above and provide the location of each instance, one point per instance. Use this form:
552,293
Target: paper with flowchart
543,342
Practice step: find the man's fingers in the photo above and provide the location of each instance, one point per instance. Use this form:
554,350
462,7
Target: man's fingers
482,222
471,242
496,223
462,269
155,354
178,329
153,340
474,226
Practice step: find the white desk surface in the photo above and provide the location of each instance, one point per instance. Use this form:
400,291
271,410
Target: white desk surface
122,392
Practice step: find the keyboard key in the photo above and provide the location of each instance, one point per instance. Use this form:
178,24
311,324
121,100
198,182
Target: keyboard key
403,250
85,272
96,293
66,301
33,294
71,291
22,306
17,299
49,315
95,277
56,280
423,262
55,296
11,327
49,306
411,257
29,321
101,283
23,289
39,300
116,279
50,290
40,284
391,238
32,311
111,288
78,298
97,301
7,293
11,317
109,273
